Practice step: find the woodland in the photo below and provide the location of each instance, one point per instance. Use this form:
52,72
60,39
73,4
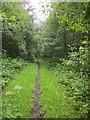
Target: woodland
47,64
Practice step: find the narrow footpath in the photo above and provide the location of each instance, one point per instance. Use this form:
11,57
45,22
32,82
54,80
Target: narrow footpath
35,112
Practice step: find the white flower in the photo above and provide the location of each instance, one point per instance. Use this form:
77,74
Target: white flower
9,93
17,87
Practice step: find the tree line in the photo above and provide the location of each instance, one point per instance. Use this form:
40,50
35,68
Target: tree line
66,34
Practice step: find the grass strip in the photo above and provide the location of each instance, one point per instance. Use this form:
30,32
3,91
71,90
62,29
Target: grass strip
53,100
17,96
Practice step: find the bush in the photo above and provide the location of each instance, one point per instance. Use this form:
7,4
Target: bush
77,86
10,67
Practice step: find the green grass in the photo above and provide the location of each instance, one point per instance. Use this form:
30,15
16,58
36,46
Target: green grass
17,96
54,101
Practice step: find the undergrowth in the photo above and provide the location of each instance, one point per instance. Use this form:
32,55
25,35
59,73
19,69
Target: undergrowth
76,84
10,67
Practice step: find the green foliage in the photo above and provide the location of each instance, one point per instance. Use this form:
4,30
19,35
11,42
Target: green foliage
10,67
65,26
54,100
65,35
17,34
77,86
17,96
78,60
63,40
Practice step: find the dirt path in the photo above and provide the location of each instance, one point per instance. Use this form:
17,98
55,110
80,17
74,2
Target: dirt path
35,112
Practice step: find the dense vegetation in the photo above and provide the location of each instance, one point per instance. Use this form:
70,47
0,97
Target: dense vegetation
17,38
63,40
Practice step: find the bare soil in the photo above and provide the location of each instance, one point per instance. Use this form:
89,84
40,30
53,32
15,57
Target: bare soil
35,112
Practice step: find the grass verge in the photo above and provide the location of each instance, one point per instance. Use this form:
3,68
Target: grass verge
53,99
17,96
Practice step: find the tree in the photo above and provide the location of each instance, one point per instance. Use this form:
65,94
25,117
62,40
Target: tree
17,30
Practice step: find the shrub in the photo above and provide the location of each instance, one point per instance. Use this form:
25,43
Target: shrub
77,86
10,67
